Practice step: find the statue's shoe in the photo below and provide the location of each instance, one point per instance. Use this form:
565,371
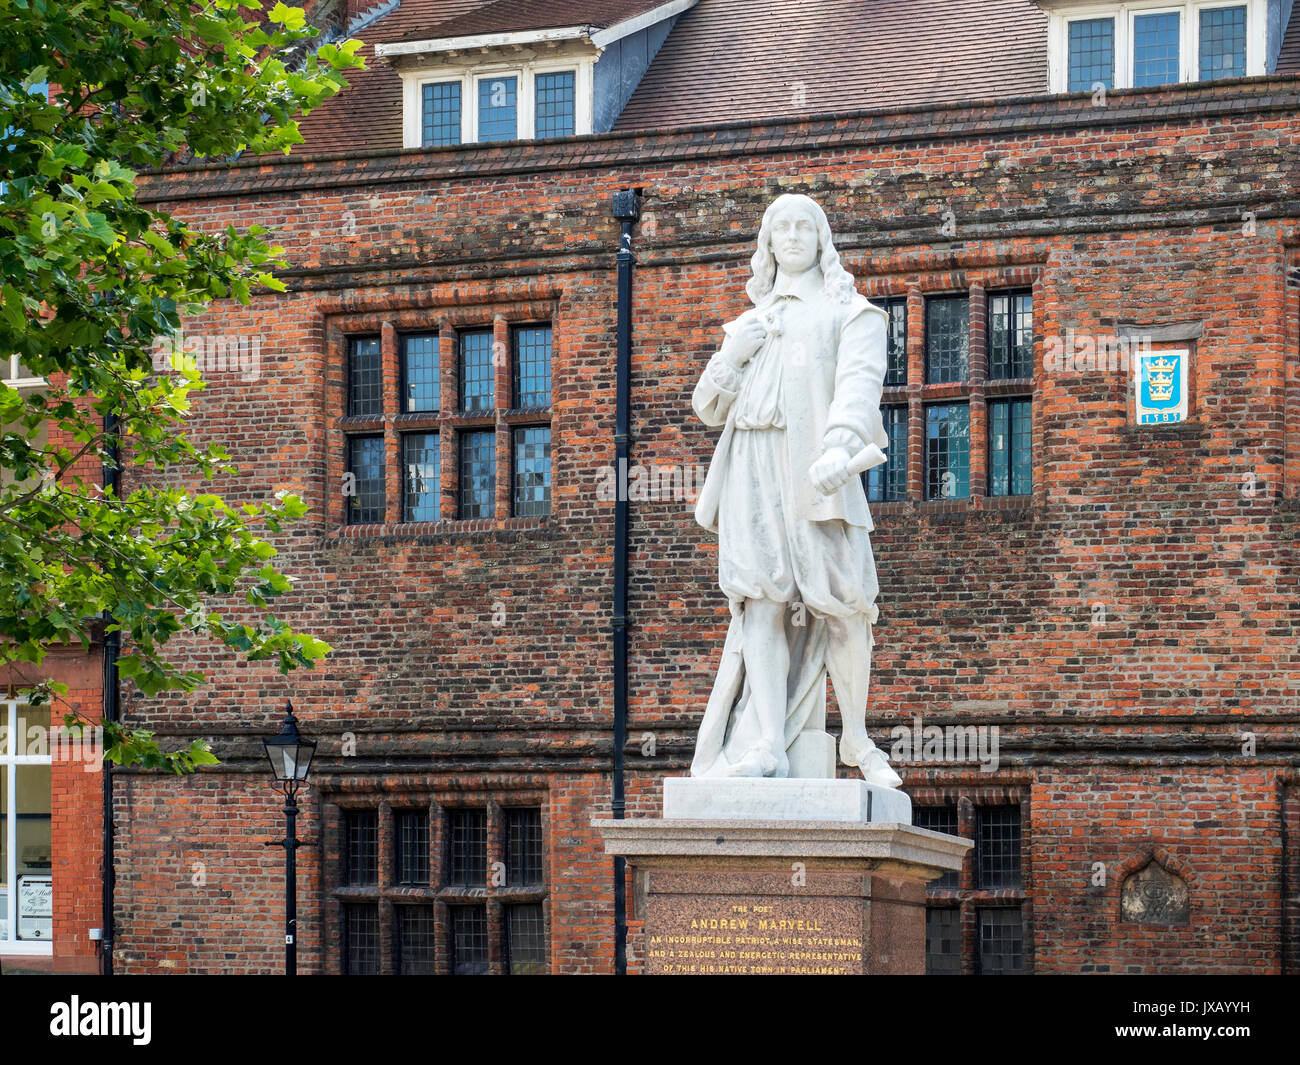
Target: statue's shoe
750,765
875,766
761,761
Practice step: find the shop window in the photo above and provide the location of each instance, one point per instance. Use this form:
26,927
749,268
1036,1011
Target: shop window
26,852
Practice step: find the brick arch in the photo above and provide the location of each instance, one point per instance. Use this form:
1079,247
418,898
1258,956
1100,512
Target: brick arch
1153,851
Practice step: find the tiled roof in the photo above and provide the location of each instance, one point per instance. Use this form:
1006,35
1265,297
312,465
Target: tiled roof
507,16
1288,60
368,113
733,60
737,59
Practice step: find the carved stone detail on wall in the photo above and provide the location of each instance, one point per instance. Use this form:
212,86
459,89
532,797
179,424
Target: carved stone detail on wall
1154,895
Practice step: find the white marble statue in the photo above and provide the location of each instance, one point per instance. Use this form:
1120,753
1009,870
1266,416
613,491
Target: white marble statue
796,387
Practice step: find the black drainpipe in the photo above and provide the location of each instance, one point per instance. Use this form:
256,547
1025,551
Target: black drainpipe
1284,885
627,209
112,647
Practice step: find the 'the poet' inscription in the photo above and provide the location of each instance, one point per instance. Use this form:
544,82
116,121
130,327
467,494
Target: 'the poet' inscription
753,936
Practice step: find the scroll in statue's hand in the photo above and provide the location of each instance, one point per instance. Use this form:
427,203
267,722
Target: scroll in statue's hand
830,472
739,347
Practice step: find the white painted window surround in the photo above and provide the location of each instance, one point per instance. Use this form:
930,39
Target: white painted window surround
413,82
17,376
13,756
1124,14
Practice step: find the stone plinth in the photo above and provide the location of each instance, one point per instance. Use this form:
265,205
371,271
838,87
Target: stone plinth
779,897
783,799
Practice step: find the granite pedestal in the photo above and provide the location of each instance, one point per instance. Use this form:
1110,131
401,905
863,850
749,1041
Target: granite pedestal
767,890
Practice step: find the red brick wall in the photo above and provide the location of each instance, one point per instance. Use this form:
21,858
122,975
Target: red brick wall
76,784
1130,214
1218,831
77,818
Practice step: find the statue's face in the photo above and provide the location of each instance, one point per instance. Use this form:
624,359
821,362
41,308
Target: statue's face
794,238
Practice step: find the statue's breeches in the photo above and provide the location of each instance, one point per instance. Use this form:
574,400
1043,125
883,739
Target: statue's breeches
766,551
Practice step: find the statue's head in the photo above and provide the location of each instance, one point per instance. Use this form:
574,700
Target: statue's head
796,236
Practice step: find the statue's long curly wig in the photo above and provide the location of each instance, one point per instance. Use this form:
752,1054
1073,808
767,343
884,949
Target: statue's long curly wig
838,281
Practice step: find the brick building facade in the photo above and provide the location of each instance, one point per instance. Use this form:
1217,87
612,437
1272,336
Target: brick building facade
1114,603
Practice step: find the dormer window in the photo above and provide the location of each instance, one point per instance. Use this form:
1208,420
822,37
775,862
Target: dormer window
1144,44
498,107
498,104
440,113
555,104
477,78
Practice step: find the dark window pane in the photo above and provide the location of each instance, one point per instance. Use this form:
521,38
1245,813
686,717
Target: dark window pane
532,472
412,827
477,373
524,851
896,374
1010,448
467,848
364,489
526,939
440,114
947,451
422,466
1011,335
478,474
1002,941
889,481
997,847
497,108
416,941
365,377
1092,54
361,940
420,372
469,940
947,339
1223,43
943,941
938,819
532,366
1155,49
362,861
555,104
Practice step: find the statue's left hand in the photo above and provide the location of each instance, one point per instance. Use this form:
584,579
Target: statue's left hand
830,472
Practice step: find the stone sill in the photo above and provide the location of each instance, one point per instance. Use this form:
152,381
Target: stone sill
969,505
434,531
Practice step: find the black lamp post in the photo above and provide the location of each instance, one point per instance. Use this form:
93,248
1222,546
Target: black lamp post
290,757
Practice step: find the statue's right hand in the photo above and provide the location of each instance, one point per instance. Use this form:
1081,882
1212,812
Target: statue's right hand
740,346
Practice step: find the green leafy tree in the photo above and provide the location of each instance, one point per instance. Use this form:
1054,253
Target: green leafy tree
89,277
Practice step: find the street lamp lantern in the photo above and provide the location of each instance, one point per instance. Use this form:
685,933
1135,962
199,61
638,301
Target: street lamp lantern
289,754
290,757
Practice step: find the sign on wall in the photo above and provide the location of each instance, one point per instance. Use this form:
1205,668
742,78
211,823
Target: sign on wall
36,907
1160,386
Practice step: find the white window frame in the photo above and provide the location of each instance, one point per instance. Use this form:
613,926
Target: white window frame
1189,36
525,100
1133,13
13,946
21,384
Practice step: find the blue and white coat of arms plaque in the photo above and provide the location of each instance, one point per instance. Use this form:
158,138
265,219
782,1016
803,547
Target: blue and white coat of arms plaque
1160,386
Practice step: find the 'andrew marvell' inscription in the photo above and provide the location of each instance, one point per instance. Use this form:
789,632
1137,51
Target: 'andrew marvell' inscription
734,935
